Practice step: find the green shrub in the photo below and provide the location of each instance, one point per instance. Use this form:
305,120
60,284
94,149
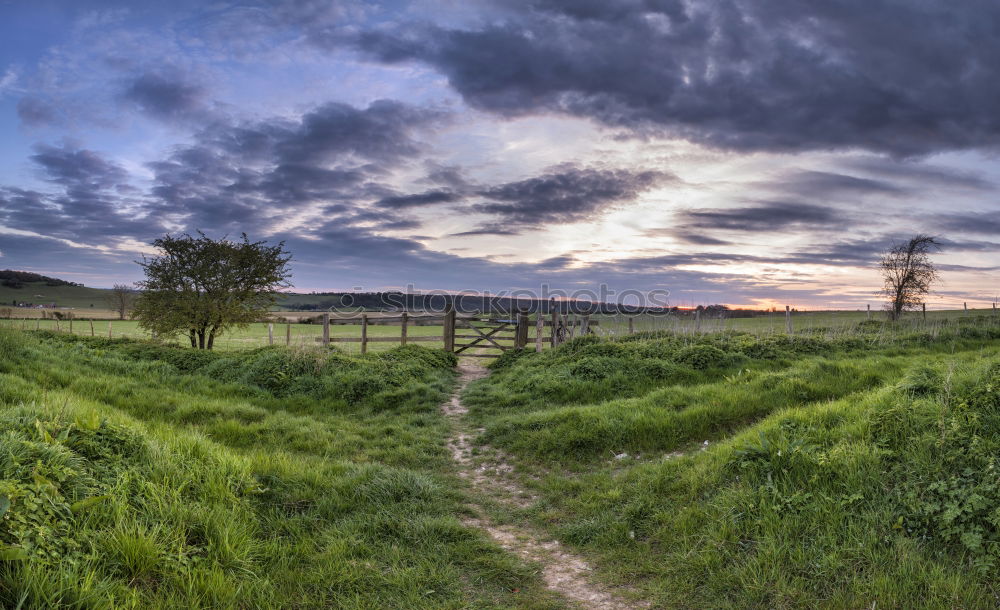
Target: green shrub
597,367
702,357
662,370
277,370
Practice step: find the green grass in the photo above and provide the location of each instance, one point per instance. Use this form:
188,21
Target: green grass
78,297
851,471
134,475
844,468
830,322
255,335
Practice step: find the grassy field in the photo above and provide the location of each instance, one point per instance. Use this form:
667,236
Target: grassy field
822,469
830,324
255,335
731,470
77,297
139,476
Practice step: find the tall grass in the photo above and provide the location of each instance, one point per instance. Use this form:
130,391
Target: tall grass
847,471
134,475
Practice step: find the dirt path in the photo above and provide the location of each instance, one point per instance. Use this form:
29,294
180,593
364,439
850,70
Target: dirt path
562,571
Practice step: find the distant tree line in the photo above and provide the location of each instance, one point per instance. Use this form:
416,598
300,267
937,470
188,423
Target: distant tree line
466,303
17,279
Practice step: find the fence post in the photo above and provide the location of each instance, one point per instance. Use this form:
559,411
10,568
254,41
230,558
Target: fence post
869,317
364,333
788,319
584,325
631,325
109,329
71,326
326,329
58,326
923,306
38,324
270,333
521,332
554,339
449,329
965,308
288,334
402,331
572,327
697,320
91,327
539,330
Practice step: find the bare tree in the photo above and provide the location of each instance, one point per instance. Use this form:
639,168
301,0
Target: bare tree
908,273
120,299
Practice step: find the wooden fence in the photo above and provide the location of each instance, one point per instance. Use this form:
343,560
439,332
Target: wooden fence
483,331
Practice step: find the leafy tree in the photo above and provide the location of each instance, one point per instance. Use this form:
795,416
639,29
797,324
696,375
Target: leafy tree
203,287
908,273
120,299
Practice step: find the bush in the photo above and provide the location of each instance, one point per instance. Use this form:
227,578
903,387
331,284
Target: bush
370,380
275,371
596,368
661,370
702,357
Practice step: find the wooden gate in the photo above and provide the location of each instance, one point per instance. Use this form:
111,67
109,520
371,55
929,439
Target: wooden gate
468,335
488,336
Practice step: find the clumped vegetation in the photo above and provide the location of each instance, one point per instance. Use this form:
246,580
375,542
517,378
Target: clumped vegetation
138,475
712,470
838,472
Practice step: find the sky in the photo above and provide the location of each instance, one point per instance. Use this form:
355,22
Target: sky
747,152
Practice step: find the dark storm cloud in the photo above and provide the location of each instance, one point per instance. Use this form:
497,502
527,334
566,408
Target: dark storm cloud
768,216
231,177
967,245
566,194
35,112
77,169
687,236
165,95
985,223
380,133
418,200
921,175
489,229
830,185
238,174
92,200
905,78
562,194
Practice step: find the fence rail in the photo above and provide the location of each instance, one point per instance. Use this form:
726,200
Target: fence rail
482,331
486,335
